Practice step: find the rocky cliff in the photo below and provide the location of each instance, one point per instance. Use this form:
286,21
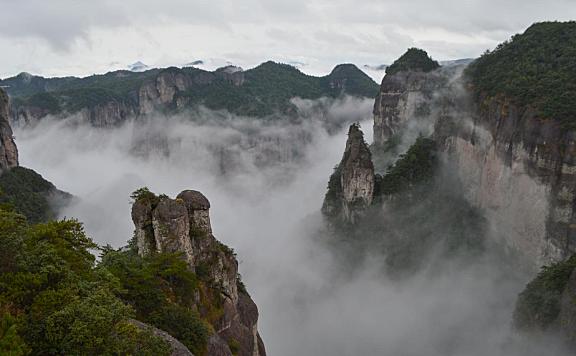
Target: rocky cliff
405,95
519,169
515,161
8,150
351,186
22,188
182,225
514,165
405,98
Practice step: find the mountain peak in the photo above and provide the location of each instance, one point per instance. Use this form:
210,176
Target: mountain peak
348,77
25,77
276,65
351,186
415,59
345,68
138,67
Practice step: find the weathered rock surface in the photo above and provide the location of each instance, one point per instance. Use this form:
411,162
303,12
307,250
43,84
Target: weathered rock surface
403,98
160,93
183,225
521,170
108,114
170,223
218,347
8,150
351,188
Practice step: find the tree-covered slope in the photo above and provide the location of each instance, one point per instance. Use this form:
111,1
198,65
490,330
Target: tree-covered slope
413,59
417,165
536,69
55,301
31,195
539,304
260,91
120,82
347,78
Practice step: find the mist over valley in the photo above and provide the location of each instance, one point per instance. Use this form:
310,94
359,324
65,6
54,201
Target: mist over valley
181,210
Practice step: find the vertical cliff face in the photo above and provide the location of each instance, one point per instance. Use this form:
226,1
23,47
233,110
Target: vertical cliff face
515,166
8,150
357,175
351,187
408,87
404,97
520,170
160,93
109,114
183,225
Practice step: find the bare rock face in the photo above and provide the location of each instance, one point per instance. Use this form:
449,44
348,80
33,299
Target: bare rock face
183,225
160,92
144,232
403,97
198,207
108,114
171,227
8,150
218,347
357,175
351,187
521,169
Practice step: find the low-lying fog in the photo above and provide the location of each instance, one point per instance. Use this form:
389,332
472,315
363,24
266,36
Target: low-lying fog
266,183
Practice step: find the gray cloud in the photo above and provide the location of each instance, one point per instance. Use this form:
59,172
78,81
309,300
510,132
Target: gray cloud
81,36
59,22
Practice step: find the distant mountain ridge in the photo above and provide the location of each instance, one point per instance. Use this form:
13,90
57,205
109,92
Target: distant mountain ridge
109,99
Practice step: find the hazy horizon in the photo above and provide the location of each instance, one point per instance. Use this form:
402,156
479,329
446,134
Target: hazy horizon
65,37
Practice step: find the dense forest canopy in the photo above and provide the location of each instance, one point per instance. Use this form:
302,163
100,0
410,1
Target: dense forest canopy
29,194
536,69
413,59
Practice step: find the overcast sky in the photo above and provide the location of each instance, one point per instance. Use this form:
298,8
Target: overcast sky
82,37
